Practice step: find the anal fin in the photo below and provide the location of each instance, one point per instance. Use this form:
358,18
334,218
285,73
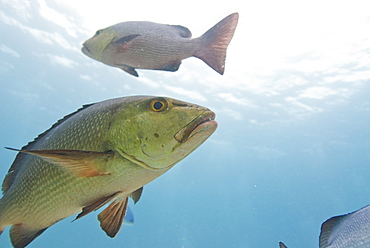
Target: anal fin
128,69
112,217
172,66
135,196
21,236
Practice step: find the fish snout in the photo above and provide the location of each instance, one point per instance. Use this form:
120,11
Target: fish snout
202,123
86,49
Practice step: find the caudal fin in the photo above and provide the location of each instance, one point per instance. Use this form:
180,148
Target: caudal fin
21,236
215,42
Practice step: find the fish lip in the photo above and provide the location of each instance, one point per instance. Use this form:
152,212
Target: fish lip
85,49
189,130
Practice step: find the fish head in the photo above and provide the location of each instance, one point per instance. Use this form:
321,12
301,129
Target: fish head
94,47
158,132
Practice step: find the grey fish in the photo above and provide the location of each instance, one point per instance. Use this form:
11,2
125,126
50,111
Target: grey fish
282,245
345,231
349,230
148,45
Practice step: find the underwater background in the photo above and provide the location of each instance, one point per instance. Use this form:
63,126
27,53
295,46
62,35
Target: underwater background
293,107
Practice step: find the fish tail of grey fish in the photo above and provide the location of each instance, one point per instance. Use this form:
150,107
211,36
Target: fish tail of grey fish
215,42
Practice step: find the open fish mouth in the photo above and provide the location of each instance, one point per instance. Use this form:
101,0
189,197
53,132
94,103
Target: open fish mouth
201,123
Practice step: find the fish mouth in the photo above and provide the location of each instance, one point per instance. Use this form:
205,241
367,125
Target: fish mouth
201,123
85,49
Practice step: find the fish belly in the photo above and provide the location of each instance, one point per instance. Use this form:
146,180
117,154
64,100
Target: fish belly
39,202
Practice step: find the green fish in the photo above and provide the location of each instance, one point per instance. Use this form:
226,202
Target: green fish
148,45
104,152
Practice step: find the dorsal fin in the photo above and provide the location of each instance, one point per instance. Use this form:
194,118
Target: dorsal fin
327,229
12,172
282,245
182,31
30,144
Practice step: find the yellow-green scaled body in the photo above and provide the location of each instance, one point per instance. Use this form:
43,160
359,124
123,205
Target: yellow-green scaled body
101,153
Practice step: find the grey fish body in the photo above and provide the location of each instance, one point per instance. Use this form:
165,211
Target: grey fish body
157,46
345,231
148,45
350,230
102,153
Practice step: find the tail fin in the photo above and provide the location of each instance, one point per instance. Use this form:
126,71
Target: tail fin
215,42
21,236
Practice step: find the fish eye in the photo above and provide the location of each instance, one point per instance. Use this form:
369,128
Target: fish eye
158,105
98,32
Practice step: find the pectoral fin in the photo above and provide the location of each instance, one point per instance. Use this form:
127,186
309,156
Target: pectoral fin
112,217
21,236
81,163
124,42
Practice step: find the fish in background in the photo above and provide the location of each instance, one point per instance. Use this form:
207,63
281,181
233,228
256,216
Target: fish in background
147,45
349,230
104,152
345,231
282,245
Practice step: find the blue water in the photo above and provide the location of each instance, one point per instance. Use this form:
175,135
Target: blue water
291,150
